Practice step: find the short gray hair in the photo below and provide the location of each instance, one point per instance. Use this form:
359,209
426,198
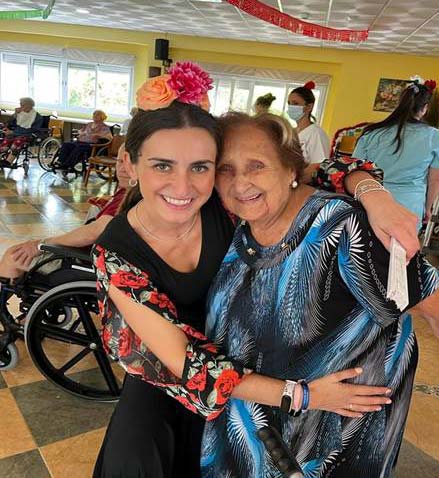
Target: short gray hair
27,100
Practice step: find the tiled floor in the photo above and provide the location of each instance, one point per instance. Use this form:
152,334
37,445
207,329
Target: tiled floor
47,433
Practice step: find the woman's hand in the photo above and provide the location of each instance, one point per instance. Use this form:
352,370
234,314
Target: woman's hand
24,253
389,219
330,393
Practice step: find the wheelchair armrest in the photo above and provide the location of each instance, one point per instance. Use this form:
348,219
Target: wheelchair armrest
82,253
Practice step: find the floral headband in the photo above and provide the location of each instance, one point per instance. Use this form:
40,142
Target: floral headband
185,82
417,80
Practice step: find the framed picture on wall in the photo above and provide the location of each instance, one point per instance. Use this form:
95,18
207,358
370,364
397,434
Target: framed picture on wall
388,94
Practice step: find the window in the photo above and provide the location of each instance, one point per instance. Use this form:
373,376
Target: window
64,85
113,91
81,87
47,82
14,77
239,94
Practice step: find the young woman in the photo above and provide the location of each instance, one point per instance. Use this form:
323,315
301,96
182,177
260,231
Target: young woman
164,252
407,150
313,140
263,103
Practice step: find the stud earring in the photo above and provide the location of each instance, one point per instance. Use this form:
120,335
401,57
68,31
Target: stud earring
294,184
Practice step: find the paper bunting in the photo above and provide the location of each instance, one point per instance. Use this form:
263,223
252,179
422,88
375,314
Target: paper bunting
275,17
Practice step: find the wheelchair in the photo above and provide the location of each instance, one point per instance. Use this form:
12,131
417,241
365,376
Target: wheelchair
59,321
39,139
49,152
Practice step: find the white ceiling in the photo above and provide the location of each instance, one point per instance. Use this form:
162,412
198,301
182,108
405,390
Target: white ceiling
406,26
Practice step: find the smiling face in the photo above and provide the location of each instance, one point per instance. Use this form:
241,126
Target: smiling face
176,173
252,181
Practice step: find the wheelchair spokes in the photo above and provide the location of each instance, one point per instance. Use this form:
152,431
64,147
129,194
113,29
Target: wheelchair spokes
71,355
48,153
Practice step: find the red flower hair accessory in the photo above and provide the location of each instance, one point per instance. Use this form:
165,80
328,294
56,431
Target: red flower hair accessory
309,85
190,82
430,85
185,82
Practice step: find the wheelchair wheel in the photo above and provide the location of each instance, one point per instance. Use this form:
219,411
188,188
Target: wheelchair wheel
48,151
8,357
71,355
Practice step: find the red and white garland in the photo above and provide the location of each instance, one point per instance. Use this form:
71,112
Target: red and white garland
275,17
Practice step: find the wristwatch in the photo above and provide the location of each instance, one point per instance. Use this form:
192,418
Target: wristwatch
41,244
287,396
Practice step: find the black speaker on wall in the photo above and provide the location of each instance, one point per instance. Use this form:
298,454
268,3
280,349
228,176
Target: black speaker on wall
161,49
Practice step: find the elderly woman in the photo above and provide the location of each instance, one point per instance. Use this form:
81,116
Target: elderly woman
74,152
300,294
17,133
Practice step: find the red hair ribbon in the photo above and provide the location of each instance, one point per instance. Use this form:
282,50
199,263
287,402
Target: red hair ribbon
309,85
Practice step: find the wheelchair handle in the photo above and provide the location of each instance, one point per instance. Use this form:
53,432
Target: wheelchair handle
279,452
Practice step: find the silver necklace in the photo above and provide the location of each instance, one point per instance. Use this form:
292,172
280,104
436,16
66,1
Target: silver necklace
157,238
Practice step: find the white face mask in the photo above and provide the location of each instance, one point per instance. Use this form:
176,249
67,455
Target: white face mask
295,112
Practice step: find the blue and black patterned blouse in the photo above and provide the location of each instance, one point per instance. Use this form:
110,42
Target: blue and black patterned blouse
311,305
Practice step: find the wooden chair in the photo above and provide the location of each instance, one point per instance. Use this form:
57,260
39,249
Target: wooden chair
104,164
56,127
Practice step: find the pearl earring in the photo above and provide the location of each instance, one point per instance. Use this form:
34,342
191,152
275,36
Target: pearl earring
294,184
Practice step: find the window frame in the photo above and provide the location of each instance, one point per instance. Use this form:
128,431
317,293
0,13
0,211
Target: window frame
63,107
288,85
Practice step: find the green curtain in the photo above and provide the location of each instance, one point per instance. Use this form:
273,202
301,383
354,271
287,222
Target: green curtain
24,14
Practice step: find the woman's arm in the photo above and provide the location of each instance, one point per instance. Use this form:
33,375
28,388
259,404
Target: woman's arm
386,216
432,191
170,344
23,254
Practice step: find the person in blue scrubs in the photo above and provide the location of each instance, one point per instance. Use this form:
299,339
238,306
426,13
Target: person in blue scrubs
407,150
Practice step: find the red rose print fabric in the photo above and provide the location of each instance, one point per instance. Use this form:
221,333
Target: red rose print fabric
208,378
332,172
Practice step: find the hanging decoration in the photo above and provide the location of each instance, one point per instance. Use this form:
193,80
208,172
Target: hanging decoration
275,17
25,14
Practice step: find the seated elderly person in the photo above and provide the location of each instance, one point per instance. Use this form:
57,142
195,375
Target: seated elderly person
126,123
18,131
19,258
73,152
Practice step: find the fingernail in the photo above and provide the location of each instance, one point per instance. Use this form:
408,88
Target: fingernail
388,392
388,401
358,369
378,409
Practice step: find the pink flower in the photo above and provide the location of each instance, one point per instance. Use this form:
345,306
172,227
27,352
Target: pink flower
190,82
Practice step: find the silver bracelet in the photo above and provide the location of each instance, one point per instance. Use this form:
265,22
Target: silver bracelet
367,185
